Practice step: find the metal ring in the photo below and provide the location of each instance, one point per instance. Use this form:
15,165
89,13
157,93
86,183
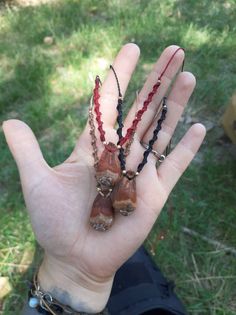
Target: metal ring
105,195
160,157
45,300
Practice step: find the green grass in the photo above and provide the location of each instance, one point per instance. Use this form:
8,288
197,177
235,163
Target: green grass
49,86
205,275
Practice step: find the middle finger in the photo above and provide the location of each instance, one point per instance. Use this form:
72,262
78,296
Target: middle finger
168,76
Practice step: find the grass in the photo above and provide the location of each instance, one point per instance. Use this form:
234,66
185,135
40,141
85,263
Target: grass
48,86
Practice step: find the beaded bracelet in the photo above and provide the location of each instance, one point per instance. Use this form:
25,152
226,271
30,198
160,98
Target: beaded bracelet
44,303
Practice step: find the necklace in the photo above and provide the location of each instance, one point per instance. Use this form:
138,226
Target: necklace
124,194
109,166
107,169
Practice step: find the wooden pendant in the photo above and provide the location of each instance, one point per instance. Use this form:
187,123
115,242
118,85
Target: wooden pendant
108,168
102,214
124,194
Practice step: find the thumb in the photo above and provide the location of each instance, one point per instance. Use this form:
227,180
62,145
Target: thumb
25,150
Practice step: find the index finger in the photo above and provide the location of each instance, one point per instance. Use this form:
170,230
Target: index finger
124,65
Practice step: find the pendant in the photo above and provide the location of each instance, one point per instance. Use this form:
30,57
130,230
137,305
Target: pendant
107,174
102,215
124,194
108,168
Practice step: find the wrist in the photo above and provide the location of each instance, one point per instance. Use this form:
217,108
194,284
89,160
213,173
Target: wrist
72,287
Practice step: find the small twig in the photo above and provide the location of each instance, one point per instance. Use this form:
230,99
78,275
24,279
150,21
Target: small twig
8,248
217,244
14,265
207,278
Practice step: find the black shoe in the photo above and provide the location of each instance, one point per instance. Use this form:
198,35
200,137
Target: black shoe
140,288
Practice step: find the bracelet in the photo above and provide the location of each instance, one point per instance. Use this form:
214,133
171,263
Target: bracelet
44,303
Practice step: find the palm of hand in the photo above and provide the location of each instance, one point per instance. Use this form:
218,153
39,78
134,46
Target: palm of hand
60,205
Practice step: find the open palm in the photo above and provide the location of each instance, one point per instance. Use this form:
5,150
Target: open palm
59,199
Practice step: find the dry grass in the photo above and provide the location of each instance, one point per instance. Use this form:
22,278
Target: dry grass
26,3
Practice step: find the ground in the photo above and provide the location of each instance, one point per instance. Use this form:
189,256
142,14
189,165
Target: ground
49,54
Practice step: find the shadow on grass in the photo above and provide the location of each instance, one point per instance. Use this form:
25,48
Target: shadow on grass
216,16
158,27
28,83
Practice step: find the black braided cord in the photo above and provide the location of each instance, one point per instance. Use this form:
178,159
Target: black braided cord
154,137
120,127
119,120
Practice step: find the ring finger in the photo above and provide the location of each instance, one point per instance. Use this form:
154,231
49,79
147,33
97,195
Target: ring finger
176,103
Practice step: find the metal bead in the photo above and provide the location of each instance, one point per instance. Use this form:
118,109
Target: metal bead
33,302
161,158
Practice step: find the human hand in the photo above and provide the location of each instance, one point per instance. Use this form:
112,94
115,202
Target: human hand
80,263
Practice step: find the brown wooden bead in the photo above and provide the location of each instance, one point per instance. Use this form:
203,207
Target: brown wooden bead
102,214
124,194
108,167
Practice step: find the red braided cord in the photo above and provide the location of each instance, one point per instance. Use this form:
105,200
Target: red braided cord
140,113
168,63
96,97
